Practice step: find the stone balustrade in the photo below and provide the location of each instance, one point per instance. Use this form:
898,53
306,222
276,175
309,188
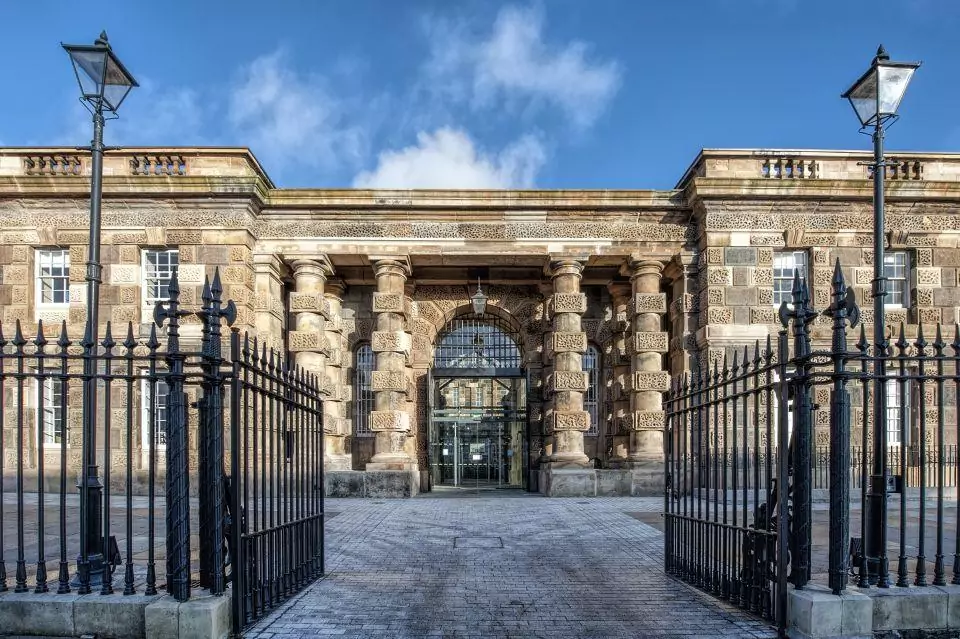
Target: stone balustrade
775,164
163,164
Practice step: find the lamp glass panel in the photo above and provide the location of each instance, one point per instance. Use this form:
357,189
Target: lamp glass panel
893,84
863,97
90,69
116,84
479,301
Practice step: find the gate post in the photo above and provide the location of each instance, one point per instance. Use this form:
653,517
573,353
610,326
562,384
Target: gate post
178,480
844,312
800,440
211,435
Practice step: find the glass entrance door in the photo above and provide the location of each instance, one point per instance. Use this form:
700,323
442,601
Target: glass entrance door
478,436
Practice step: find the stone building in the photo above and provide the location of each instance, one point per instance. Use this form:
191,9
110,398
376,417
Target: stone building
595,300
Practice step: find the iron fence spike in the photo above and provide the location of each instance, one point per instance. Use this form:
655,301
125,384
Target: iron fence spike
18,340
130,342
108,342
40,341
217,287
902,344
63,342
206,295
152,342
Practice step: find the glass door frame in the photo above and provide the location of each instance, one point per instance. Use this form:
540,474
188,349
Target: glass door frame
436,375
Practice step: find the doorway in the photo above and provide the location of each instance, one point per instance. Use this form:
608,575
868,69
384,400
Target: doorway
478,406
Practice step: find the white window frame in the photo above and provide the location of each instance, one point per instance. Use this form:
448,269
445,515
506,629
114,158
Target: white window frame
893,410
39,263
162,421
146,299
49,383
905,278
804,273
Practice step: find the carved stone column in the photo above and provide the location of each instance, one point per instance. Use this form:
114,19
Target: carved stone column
336,456
568,382
649,379
620,357
391,345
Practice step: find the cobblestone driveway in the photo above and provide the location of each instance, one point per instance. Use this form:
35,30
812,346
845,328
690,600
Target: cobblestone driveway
499,566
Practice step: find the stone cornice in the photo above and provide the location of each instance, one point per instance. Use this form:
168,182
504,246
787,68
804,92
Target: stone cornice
745,189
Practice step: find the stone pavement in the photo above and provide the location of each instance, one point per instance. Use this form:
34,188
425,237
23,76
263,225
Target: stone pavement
502,565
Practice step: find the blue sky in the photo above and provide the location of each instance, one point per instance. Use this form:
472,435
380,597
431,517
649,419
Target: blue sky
478,94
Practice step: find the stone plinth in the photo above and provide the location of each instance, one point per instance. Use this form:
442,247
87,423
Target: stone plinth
568,482
372,483
816,613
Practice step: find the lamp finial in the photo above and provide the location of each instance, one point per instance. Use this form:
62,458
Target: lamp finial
102,41
882,54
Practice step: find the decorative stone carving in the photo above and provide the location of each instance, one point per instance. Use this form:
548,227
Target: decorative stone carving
388,303
654,341
577,420
651,381
391,341
929,315
714,256
765,296
387,420
307,341
766,239
720,315
306,302
649,303
820,239
389,381
862,276
569,342
763,277
569,303
928,276
924,297
647,420
569,380
822,277
719,275
715,296
763,316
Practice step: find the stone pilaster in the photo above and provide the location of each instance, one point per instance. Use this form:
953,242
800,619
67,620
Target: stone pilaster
391,345
568,381
620,294
336,456
269,310
307,341
649,379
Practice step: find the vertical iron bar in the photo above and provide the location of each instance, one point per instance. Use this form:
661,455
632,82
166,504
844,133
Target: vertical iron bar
863,578
955,345
921,578
63,586
19,342
238,560
902,570
781,496
41,578
106,584
152,345
129,344
939,573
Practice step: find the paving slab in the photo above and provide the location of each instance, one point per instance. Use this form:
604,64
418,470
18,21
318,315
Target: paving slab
502,565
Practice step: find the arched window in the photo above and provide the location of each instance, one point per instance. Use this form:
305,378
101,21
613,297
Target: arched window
362,390
591,399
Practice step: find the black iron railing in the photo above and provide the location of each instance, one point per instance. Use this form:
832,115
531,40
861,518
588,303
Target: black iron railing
742,473
254,514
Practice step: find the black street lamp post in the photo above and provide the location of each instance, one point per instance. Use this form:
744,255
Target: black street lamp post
875,97
104,83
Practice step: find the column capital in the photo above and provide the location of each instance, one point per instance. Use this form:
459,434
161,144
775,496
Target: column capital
335,288
566,266
318,267
268,263
642,268
391,266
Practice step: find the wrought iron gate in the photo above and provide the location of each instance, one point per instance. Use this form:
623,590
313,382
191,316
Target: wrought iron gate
261,515
738,464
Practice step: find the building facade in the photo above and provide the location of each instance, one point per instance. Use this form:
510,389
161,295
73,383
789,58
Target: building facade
594,300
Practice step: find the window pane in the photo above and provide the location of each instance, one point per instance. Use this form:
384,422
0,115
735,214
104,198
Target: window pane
895,271
158,271
52,411
785,264
363,390
53,276
591,364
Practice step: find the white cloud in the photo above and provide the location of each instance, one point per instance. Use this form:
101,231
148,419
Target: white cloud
516,64
448,158
288,117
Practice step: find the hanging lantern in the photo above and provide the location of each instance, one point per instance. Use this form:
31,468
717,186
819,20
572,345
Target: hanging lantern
479,300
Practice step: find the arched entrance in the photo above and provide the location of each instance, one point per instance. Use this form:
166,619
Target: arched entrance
478,405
